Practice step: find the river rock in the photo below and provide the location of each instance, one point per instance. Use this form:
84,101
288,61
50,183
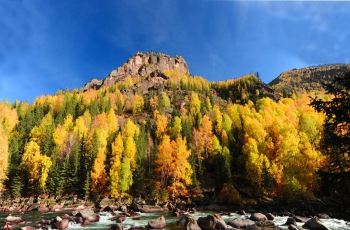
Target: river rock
116,227
290,221
84,213
7,226
56,208
189,222
241,223
301,219
27,228
109,208
149,208
123,208
294,227
43,209
45,222
242,212
120,218
157,223
92,218
13,219
314,224
211,222
258,217
62,224
270,216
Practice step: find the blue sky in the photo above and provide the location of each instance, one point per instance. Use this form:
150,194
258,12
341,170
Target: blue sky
50,45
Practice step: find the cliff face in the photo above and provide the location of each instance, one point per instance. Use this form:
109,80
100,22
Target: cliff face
142,65
307,79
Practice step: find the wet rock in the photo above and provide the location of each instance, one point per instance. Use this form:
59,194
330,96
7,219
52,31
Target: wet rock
85,222
45,222
157,223
116,227
189,222
109,208
314,224
13,219
240,223
301,219
270,216
27,228
43,209
92,218
258,217
211,222
56,208
120,218
7,226
242,212
290,221
84,213
123,208
62,224
294,227
148,208
264,225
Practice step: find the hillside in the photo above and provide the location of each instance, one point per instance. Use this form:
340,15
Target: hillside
152,129
307,79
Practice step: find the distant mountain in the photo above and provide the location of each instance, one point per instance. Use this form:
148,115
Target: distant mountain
307,79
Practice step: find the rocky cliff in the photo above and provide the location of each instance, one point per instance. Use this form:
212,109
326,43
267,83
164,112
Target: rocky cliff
144,65
307,79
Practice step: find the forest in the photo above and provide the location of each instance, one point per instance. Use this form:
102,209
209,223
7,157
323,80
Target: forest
183,141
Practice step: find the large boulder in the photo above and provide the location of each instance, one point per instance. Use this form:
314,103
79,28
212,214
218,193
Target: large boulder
189,222
258,217
314,224
157,223
241,223
212,222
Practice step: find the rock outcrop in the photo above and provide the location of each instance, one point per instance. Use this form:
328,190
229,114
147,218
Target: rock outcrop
142,65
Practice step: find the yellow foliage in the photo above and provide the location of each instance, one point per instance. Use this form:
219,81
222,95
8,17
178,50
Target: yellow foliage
173,167
161,123
203,138
36,164
114,173
98,172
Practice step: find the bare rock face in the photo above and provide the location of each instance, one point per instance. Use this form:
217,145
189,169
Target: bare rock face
142,65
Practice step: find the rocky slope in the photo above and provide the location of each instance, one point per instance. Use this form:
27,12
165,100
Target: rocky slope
307,79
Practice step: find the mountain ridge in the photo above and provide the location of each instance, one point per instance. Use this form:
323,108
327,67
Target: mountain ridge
152,69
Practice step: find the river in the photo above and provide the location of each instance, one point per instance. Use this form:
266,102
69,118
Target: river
105,222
